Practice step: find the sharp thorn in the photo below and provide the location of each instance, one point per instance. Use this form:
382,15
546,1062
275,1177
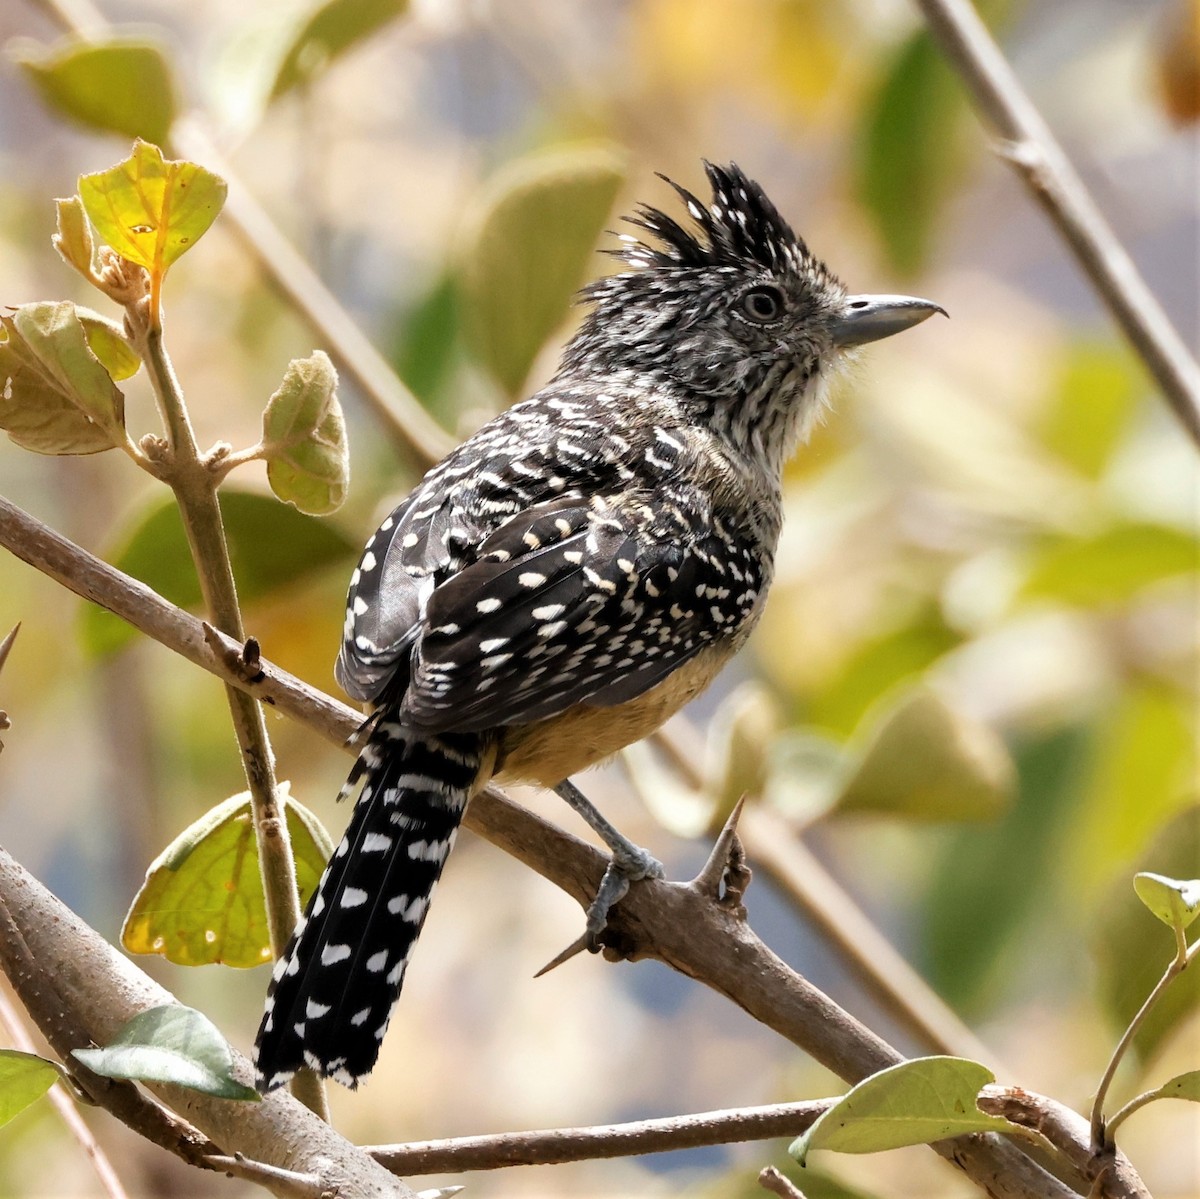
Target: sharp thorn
709,878
577,946
7,643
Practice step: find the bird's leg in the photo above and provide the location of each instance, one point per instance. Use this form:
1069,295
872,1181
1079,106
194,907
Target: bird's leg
629,862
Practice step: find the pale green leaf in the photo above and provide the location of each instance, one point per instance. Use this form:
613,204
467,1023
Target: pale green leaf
1176,902
533,233
202,901
73,238
24,1079
152,210
1182,1086
106,339
1112,566
55,395
172,1044
926,760
913,1103
121,85
328,32
304,438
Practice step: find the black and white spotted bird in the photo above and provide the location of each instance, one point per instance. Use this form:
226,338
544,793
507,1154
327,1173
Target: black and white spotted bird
565,580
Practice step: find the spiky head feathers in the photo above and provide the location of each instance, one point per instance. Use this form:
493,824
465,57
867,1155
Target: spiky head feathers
735,308
740,228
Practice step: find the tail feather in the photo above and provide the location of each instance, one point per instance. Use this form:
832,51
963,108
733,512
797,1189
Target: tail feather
333,989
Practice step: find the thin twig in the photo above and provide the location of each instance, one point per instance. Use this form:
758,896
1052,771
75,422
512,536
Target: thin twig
1102,1137
669,921
14,1026
1030,147
547,1146
186,471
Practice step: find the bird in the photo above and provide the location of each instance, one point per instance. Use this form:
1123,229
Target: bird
565,580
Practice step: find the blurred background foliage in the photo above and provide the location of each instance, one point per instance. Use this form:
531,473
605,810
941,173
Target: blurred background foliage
974,685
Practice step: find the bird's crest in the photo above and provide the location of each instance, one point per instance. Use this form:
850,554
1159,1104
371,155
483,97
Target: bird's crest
740,227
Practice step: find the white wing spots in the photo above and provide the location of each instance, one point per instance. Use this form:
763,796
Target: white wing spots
552,629
546,612
332,954
396,973
487,605
368,562
387,524
314,1010
377,961
361,607
531,578
494,643
575,557
361,1017
353,897
408,909
427,851
409,540
376,843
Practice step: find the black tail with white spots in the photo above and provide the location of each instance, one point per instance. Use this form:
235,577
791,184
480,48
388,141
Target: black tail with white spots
334,988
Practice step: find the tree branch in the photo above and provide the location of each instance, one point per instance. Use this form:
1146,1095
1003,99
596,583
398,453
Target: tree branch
80,991
548,1146
676,923
1032,150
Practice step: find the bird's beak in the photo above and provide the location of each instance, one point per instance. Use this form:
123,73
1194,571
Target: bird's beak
868,318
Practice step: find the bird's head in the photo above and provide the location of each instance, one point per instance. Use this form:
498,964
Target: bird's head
737,313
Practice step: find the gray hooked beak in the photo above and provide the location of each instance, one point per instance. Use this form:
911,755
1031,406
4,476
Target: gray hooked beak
868,318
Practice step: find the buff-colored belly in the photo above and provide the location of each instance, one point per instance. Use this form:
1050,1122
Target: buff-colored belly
553,750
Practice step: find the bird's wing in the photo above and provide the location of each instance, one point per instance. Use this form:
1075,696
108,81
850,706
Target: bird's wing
576,601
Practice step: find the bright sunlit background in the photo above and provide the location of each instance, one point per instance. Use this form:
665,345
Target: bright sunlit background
996,522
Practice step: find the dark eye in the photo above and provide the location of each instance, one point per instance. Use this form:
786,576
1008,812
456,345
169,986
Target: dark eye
763,304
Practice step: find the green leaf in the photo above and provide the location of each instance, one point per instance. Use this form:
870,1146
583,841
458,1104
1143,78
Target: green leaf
928,761
173,1044
121,85
1131,957
991,884
329,31
427,347
24,1079
106,339
1111,567
304,438
1182,1086
202,901
270,544
536,225
913,1103
152,210
73,239
1176,902
1093,399
909,153
55,395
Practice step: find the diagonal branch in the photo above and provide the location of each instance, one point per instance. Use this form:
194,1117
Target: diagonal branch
1033,151
677,923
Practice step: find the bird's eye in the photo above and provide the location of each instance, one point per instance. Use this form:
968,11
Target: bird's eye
763,304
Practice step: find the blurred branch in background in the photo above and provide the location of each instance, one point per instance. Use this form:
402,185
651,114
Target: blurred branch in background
1031,148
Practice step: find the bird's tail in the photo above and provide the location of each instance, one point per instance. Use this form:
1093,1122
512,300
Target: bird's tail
333,989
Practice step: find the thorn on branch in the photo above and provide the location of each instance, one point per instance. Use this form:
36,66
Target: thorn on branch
277,1179
725,875
245,662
